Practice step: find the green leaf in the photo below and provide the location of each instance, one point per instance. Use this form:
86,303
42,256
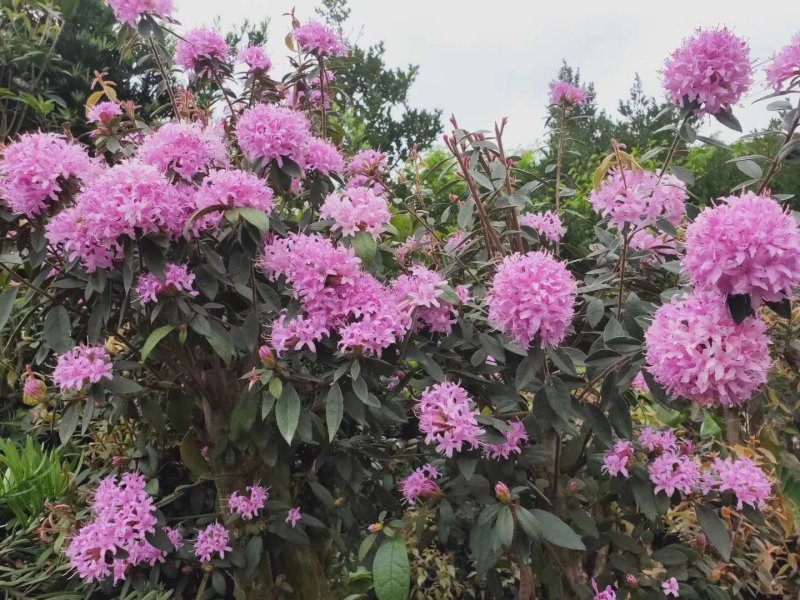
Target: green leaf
558,533
504,526
530,524
154,338
529,368
57,328
275,387
253,552
68,423
121,385
599,424
782,309
365,246
740,307
152,257
391,572
6,304
221,342
558,397
716,530
287,412
334,410
259,219
464,219
726,118
192,457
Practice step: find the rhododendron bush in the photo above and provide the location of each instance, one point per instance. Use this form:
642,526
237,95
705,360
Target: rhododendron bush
285,374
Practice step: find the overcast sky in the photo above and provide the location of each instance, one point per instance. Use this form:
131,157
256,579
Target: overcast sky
483,60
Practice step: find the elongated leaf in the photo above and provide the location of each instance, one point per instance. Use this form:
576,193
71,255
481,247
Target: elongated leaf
558,397
68,423
529,368
391,572
530,524
57,328
716,530
154,338
558,533
257,218
365,246
6,304
504,526
287,412
334,410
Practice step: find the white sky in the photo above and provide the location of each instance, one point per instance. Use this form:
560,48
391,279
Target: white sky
484,60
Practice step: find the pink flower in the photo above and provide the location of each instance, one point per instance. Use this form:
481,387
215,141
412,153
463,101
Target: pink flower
199,50
175,537
315,38
177,279
123,515
639,384
293,516
256,59
516,436
212,540
369,163
356,209
267,132
631,580
661,247
709,73
695,350
785,64
532,299
671,588
618,459
248,506
638,198
670,472
187,149
745,245
128,200
563,92
104,112
421,484
233,189
35,168
323,157
130,11
81,366
448,418
653,440
547,223
420,297
744,478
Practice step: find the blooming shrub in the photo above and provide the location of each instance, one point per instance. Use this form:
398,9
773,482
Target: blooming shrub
263,341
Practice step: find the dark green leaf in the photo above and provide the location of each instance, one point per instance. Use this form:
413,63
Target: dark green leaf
287,412
391,572
529,368
726,118
154,338
782,308
7,298
740,307
504,526
57,329
121,385
558,397
68,423
530,524
558,533
334,410
365,246
716,530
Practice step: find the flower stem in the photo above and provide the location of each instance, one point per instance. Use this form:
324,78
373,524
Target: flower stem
166,78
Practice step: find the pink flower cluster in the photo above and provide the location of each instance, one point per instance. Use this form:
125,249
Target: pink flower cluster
547,223
315,38
323,157
176,279
356,209
115,539
606,594
369,163
785,64
448,418
35,168
199,50
272,133
563,92
654,440
130,11
421,484
256,59
81,366
618,459
248,505
104,112
420,298
128,200
532,299
233,189
742,477
212,540
745,245
671,471
186,149
661,247
639,198
516,437
710,72
696,351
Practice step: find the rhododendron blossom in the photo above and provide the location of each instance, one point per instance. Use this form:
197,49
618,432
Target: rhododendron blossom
563,92
104,112
323,157
248,505
606,594
547,224
272,133
670,472
448,418
256,59
639,198
516,437
742,477
745,245
618,459
421,484
710,72
293,517
696,351
123,515
185,149
199,49
671,588
785,65
532,298
213,540
356,209
369,163
35,168
130,11
230,188
420,297
654,440
318,39
81,366
176,279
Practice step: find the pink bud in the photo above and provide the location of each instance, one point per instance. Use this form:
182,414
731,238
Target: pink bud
572,485
267,357
502,492
375,528
34,391
631,580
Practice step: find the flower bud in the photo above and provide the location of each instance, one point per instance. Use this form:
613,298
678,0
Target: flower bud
267,357
631,580
34,391
375,528
572,485
701,542
340,501
502,492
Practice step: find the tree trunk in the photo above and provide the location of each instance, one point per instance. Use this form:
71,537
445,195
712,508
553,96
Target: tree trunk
299,565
